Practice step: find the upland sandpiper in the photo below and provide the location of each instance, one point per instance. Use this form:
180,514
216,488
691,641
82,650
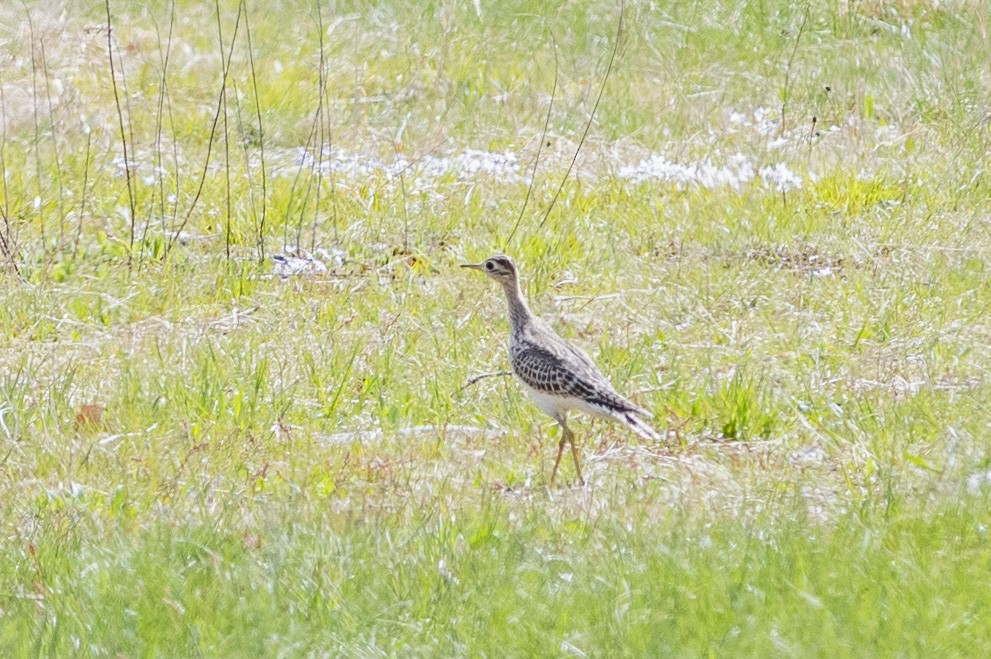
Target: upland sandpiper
557,375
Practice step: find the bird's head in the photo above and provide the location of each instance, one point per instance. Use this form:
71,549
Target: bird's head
500,267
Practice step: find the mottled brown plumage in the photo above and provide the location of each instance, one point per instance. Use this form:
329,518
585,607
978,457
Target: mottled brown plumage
557,375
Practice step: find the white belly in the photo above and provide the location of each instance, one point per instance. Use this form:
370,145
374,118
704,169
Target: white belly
558,406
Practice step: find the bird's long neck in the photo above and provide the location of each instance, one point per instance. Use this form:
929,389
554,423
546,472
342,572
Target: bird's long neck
520,315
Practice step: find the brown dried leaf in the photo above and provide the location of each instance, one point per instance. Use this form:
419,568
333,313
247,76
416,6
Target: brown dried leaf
89,417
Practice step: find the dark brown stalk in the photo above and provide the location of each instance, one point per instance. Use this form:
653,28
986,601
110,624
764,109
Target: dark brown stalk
540,146
225,65
591,117
261,140
131,198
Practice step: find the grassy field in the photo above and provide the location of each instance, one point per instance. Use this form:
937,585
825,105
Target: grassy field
775,236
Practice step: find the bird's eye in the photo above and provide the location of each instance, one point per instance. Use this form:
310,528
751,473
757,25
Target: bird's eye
489,266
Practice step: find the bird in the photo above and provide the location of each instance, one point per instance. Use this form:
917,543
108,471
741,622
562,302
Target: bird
558,375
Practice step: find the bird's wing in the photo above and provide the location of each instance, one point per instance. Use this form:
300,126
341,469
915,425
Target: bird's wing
555,368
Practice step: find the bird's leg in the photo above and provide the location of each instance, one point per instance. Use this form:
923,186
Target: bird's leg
574,454
560,448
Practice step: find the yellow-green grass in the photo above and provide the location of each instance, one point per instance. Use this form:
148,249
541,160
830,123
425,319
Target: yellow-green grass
200,458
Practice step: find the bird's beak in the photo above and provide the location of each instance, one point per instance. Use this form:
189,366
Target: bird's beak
473,266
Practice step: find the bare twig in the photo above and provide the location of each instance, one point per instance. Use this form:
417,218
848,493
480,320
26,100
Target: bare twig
309,182
402,187
322,91
176,170
330,170
591,117
6,237
39,178
55,149
791,58
246,141
982,22
225,64
494,374
82,195
540,146
132,201
227,149
261,138
160,113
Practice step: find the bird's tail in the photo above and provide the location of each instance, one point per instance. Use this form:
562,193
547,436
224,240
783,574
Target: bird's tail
640,427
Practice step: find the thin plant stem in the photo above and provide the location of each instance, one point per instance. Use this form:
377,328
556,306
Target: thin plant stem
591,117
261,139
